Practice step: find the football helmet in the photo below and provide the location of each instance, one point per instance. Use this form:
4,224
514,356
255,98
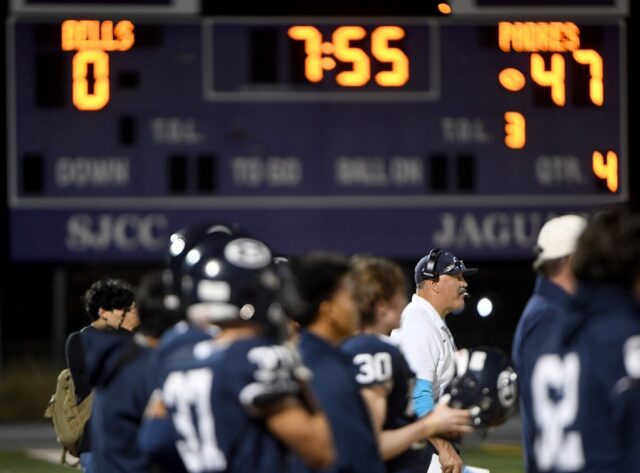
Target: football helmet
486,383
180,243
230,278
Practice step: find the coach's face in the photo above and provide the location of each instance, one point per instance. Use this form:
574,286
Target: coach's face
450,290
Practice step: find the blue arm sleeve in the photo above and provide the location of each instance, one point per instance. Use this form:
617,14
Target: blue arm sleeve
422,397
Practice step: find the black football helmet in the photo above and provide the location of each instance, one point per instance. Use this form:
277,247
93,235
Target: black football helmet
230,278
486,383
180,242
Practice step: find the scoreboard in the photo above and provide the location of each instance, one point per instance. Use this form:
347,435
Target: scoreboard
360,134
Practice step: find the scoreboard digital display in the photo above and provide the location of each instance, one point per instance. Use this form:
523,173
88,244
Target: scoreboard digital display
384,135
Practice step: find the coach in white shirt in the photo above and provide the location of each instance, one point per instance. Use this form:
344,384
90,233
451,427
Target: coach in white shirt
426,340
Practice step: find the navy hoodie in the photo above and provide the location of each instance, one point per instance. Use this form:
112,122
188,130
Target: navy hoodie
117,367
586,386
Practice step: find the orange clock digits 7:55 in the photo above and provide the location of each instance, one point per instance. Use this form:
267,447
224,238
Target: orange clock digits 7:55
318,55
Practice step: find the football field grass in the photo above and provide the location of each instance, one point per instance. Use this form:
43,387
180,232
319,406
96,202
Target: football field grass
496,458
21,463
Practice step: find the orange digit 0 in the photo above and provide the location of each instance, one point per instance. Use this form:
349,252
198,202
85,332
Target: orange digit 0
83,99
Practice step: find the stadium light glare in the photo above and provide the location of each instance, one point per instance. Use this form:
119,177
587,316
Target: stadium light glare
484,307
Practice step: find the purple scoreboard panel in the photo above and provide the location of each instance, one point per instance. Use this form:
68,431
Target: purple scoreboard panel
383,135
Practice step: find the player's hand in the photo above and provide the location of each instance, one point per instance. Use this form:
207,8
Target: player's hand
130,320
155,407
446,422
450,461
303,375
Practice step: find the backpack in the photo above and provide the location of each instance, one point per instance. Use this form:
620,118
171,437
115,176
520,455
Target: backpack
67,415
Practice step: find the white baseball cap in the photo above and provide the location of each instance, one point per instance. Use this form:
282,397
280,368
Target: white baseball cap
559,237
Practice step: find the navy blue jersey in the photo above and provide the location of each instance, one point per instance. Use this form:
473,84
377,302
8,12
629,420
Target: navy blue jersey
156,436
339,396
585,388
379,362
218,398
181,337
536,325
117,367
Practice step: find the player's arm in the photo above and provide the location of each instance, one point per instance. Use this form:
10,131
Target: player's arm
442,421
156,433
626,415
624,399
375,386
375,397
307,433
280,394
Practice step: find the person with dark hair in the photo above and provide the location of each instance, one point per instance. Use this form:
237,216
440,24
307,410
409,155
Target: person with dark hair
107,303
327,315
585,387
427,342
383,374
555,284
117,364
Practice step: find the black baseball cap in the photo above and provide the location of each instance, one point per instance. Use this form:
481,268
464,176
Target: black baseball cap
438,262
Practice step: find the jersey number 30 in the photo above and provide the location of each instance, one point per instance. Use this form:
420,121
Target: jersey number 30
374,368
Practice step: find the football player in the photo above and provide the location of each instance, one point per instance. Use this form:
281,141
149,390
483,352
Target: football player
555,284
237,402
383,374
176,343
585,390
327,315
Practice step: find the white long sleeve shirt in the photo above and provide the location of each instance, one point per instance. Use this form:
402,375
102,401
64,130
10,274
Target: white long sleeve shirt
427,344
